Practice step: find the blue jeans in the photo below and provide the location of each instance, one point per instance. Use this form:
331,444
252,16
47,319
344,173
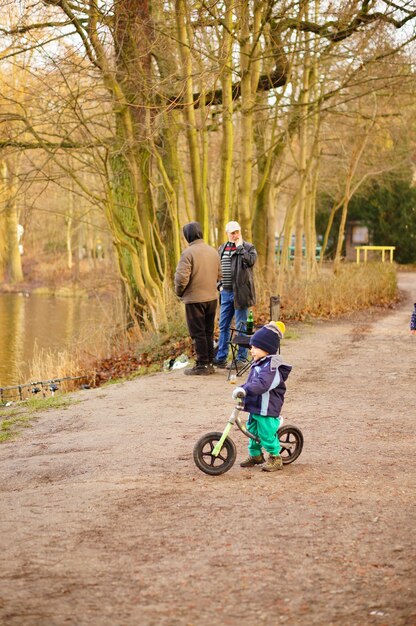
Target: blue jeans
227,312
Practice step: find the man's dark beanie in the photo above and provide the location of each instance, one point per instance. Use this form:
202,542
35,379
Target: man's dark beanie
192,231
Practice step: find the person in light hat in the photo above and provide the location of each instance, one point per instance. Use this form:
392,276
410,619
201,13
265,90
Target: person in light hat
263,395
237,291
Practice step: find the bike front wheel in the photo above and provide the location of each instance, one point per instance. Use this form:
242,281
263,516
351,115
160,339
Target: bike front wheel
291,442
207,462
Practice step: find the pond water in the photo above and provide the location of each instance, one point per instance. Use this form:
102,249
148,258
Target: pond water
32,323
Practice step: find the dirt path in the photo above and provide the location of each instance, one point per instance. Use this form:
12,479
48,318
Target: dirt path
106,521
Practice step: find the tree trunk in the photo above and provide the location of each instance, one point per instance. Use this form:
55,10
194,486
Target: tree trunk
249,79
69,221
303,156
355,159
3,223
130,211
189,114
227,144
11,259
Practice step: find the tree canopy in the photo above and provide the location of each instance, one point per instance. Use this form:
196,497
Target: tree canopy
156,112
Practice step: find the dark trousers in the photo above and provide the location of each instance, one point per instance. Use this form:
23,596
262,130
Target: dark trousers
200,317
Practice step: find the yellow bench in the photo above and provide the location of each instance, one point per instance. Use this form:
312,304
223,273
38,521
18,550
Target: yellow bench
383,249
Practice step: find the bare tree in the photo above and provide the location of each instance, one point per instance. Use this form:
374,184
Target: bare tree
271,78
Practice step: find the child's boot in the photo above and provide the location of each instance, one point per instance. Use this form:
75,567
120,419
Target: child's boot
274,463
253,460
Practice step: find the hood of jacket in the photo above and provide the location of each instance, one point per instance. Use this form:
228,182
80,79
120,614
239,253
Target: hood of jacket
276,362
192,231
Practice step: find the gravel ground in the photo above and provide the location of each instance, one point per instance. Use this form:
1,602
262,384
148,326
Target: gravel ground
105,519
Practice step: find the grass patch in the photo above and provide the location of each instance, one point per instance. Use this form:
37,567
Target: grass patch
35,405
354,288
291,334
142,371
13,419
10,428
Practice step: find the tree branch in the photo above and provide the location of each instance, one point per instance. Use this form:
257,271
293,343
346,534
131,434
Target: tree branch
20,30
332,30
275,79
64,5
41,145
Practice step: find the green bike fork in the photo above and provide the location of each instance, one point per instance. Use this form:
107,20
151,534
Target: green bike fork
224,436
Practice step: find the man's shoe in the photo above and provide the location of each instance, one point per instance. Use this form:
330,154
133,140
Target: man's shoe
274,463
221,364
253,460
198,370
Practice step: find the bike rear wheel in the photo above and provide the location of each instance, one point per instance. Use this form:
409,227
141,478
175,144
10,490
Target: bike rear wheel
207,462
291,441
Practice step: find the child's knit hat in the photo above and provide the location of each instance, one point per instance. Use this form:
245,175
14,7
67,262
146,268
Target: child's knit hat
267,338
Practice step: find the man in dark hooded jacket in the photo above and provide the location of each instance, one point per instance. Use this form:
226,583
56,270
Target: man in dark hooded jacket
196,278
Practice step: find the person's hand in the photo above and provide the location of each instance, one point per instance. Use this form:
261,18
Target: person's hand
236,238
238,393
413,332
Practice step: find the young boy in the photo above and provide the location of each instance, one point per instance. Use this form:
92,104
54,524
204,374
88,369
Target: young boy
264,394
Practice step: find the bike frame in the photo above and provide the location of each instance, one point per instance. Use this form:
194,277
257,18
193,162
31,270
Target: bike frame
235,419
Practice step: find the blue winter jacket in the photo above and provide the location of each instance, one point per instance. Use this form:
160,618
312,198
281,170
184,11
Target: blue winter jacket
265,386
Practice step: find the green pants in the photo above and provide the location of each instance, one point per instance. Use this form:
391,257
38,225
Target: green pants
265,428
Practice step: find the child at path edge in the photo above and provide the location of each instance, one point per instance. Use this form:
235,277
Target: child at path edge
413,321
264,395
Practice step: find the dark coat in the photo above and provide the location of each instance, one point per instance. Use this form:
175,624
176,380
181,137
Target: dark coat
242,262
265,386
413,319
